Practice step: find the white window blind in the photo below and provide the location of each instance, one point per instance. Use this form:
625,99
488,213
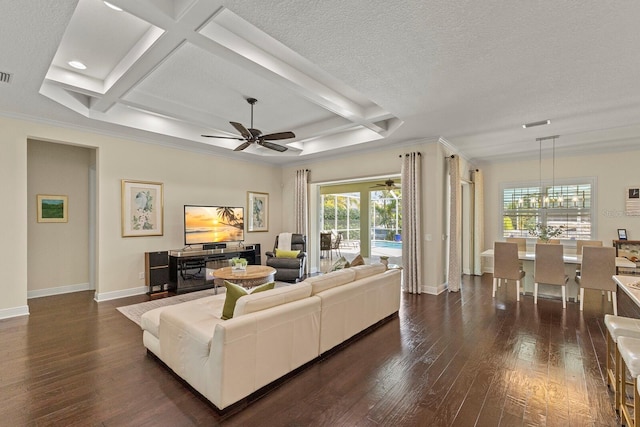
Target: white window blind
568,205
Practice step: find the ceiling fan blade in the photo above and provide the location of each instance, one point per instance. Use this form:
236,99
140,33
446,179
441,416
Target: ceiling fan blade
242,146
243,130
278,135
223,137
272,146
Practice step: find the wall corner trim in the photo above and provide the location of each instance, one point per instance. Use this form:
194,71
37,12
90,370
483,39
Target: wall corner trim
7,313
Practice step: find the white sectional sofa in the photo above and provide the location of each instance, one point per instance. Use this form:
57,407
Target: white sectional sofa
271,333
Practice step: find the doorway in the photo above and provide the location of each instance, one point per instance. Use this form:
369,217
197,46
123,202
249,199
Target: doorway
61,256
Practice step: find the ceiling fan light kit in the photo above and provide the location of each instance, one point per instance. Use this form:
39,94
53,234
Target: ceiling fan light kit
389,184
253,135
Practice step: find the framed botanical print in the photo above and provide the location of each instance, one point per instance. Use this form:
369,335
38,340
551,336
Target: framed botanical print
632,202
142,208
258,207
52,208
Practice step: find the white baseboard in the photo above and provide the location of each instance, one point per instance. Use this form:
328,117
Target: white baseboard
434,290
6,313
106,296
58,290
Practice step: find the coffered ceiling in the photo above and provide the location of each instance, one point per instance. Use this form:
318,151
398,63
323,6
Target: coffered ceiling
343,76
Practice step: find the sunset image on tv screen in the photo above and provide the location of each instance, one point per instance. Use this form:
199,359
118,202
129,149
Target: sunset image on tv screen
209,224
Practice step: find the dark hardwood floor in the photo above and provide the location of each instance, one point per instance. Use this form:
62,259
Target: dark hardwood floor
457,359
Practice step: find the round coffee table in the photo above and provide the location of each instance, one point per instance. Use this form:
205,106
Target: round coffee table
254,275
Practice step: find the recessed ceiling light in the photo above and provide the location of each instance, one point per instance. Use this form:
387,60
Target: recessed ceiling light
77,65
112,6
540,123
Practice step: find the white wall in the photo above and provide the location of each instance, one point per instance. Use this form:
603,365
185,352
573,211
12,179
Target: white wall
615,171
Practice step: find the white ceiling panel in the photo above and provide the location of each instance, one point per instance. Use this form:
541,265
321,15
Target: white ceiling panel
341,75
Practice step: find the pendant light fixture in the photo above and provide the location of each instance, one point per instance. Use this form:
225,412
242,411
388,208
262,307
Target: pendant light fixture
545,199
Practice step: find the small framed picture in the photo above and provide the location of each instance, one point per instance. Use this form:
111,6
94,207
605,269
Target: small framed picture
258,206
52,208
142,208
622,234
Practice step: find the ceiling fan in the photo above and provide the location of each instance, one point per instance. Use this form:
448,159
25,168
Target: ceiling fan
388,185
251,135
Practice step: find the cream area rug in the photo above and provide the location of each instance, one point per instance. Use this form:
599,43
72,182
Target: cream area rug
135,311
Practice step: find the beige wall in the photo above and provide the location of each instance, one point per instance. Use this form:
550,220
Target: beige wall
383,163
614,171
13,217
188,178
58,254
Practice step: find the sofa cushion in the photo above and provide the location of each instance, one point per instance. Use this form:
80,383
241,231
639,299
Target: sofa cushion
150,320
280,253
363,271
274,297
331,280
234,292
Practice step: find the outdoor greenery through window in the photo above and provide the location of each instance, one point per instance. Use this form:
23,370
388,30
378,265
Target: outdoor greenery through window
341,214
386,215
568,205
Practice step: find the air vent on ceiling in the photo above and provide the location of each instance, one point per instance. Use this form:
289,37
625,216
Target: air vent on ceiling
5,77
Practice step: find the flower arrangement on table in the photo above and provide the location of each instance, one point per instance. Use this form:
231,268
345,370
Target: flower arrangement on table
545,232
238,264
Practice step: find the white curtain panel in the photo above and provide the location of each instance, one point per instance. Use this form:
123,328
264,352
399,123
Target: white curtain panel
411,222
478,221
455,210
301,202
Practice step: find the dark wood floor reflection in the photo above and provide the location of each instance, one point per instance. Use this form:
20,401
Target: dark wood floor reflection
460,359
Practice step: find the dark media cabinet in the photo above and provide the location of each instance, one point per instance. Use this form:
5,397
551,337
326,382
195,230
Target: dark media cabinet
190,270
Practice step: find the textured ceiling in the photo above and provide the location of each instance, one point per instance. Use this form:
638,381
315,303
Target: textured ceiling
343,76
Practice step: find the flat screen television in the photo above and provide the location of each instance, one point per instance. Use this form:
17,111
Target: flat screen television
213,224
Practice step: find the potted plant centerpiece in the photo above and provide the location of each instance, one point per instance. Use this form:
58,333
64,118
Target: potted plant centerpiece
545,232
238,264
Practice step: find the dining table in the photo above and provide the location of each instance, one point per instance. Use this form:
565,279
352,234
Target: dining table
570,262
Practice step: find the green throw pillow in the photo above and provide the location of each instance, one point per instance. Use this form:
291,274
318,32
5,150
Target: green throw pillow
286,254
234,292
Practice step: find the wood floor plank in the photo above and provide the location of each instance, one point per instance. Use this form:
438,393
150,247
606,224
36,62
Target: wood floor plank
456,359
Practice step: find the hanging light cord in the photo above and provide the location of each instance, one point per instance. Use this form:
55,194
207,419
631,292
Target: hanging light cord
540,172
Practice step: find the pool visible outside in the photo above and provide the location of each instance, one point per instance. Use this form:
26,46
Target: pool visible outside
386,244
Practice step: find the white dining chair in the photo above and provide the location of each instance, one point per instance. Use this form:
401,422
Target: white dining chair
506,265
549,270
580,244
596,272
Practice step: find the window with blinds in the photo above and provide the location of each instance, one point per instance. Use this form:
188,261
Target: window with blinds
568,205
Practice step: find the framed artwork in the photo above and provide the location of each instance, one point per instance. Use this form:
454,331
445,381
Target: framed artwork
52,208
258,207
632,202
622,234
142,208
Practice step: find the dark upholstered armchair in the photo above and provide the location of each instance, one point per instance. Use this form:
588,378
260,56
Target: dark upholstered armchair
289,269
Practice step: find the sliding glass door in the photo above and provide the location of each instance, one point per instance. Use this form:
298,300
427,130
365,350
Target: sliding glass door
362,218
